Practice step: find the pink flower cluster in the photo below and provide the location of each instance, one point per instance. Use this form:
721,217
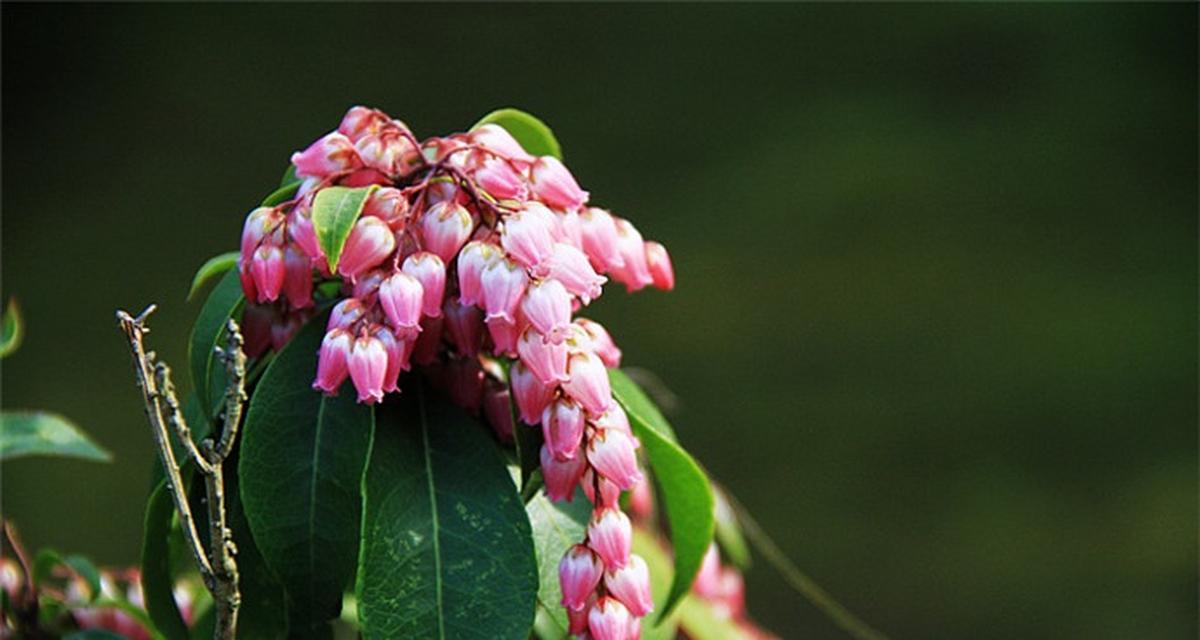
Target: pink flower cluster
723,588
469,253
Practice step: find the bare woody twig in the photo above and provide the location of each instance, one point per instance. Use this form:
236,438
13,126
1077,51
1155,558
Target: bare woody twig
218,565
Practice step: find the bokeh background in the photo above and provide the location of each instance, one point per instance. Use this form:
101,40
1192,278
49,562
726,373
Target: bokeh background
936,314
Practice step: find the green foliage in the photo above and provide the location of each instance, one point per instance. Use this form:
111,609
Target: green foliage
157,579
335,210
301,460
208,375
285,192
212,268
533,134
446,548
658,560
28,433
48,559
684,489
93,634
729,530
556,528
264,612
12,328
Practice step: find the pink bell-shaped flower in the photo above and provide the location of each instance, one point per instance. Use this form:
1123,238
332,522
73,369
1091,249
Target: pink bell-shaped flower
330,154
587,382
368,365
531,395
579,573
662,274
345,314
547,306
528,235
602,343
444,228
360,121
465,326
608,619
397,358
297,278
562,428
599,490
610,535
369,242
267,269
571,267
495,138
631,585
600,240
561,476
500,180
503,284
635,272
402,299
611,452
387,204
547,361
474,258
554,184
430,271
504,336
333,361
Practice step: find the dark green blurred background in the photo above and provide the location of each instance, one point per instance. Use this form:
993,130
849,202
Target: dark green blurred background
936,314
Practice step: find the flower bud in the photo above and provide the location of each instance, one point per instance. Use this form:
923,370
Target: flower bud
561,476
571,267
611,452
599,490
497,408
495,138
554,184
641,499
472,260
610,535
579,573
300,228
504,336
402,298
430,271
587,382
397,357
387,204
367,284
608,619
569,229
364,178
503,284
268,271
577,621
547,361
562,428
330,154
500,180
600,241
635,273
547,306
345,314
465,325
528,235
384,151
259,224
631,585
284,328
731,592
256,329
368,365
531,396
601,342
445,226
246,277
369,242
360,121
466,383
297,278
429,341
707,583
658,262
333,361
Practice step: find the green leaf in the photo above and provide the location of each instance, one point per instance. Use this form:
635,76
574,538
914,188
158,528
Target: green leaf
658,560
94,634
532,133
264,612
684,489
556,528
208,374
212,268
285,192
48,559
335,210
29,433
289,175
13,330
729,530
694,616
301,461
446,550
158,583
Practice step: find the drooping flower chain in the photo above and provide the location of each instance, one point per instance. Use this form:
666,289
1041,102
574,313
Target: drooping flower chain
472,250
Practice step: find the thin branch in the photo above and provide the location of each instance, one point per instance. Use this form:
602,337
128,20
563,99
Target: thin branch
162,378
235,390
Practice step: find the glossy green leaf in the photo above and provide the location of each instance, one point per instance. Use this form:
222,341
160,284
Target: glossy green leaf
12,328
289,175
212,268
285,192
264,611
158,583
684,488
301,461
208,373
94,634
335,210
532,133
48,559
447,550
729,530
658,560
40,433
556,528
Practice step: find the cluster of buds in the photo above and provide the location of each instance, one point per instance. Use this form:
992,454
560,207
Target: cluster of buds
722,587
470,259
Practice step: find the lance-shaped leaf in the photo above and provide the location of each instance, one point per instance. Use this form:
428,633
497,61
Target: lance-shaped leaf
557,526
39,433
286,191
12,328
729,530
157,578
208,374
446,550
533,134
212,268
335,210
301,460
685,490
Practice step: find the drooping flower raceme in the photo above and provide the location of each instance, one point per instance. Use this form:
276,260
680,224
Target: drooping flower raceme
472,252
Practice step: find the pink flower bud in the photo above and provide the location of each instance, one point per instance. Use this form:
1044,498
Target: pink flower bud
333,361
259,224
554,184
300,228
368,365
579,573
466,383
387,204
497,408
397,358
561,476
641,499
284,328
610,535
527,235
500,180
345,314
608,619
631,585
297,278
599,490
401,297
731,592
384,151
330,154
635,273
577,621
504,336
428,342
601,342
496,138
472,260
571,267
365,178
707,583
600,240
369,242
249,289
360,121
444,228
547,361
268,271
367,284
547,306
611,452
430,271
569,229
532,397
503,283
465,324
562,428
587,382
658,262
256,329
